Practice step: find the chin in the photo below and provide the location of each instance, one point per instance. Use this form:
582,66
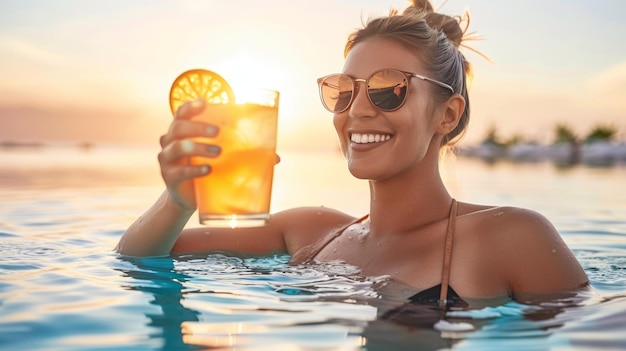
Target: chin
365,173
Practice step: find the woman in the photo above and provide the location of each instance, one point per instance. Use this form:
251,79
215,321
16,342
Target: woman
415,231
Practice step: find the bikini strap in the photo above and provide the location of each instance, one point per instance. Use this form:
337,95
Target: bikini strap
447,256
308,253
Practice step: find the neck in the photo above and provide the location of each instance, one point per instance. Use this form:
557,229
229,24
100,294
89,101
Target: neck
410,200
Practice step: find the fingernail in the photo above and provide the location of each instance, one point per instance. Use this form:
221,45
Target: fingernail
212,130
214,150
205,169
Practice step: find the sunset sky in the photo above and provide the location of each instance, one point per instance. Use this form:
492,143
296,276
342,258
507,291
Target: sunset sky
100,71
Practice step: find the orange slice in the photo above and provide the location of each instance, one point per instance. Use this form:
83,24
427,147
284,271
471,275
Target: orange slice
200,84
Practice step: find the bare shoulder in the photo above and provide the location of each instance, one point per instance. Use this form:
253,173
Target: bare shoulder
507,228
517,226
500,219
529,250
306,225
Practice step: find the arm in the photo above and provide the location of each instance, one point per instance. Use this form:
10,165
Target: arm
286,232
159,230
537,259
156,231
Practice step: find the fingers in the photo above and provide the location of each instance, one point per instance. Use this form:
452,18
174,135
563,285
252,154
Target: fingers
180,143
179,185
190,109
176,147
179,149
178,174
183,129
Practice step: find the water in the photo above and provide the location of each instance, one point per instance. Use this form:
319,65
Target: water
63,288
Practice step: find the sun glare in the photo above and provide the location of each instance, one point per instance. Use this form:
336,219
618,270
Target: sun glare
255,54
247,74
257,68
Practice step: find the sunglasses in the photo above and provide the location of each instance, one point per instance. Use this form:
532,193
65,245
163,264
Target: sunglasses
386,89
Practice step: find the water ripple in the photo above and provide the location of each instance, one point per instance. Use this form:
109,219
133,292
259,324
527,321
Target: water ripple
63,288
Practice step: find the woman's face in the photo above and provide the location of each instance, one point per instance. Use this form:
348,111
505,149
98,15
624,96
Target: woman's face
401,138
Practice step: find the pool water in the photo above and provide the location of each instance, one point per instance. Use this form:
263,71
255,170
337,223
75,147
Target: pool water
63,288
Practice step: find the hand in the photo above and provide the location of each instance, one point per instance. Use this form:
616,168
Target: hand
176,148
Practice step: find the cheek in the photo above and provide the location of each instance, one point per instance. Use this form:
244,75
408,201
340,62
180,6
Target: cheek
422,116
339,122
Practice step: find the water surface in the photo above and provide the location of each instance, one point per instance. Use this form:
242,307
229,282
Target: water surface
62,287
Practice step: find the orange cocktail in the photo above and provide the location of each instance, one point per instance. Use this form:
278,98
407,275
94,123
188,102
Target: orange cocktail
238,190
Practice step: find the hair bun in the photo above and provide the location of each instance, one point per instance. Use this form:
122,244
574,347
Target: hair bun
450,26
421,6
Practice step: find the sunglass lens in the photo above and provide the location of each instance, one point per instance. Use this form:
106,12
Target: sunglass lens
387,89
336,92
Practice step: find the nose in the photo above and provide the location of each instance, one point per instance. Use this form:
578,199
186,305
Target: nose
361,105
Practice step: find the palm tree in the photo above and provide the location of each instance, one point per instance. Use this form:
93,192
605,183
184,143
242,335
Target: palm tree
566,136
601,133
492,137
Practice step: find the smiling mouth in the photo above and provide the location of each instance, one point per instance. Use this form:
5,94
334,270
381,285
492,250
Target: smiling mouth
369,138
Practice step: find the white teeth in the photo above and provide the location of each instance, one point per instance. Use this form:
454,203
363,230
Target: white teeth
369,138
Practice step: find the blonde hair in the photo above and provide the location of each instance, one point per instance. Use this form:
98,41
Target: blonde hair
436,39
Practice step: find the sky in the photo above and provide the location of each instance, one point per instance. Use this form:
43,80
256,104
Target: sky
100,71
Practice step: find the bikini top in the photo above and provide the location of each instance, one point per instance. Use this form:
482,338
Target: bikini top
441,294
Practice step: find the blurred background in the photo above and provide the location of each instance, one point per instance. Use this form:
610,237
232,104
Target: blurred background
99,72
84,91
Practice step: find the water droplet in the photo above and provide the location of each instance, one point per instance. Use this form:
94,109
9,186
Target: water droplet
334,250
363,233
349,237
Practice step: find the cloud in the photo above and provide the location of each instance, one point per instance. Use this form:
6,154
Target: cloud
609,88
21,50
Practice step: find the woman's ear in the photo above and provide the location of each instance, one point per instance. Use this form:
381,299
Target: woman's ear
453,109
